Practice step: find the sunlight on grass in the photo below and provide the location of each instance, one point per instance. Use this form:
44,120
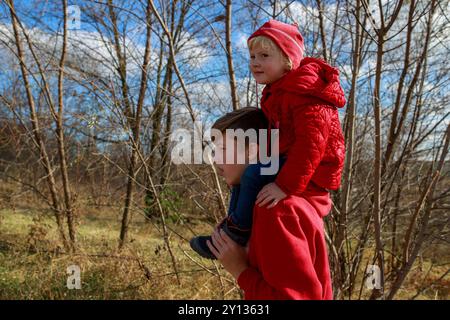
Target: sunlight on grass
106,273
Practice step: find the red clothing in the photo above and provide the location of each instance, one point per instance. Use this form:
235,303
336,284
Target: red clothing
303,106
287,251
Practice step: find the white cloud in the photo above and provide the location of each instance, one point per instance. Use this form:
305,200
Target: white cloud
194,51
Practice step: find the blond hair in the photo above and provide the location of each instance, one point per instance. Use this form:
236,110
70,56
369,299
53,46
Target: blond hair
268,44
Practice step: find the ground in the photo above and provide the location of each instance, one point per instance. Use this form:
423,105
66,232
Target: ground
33,266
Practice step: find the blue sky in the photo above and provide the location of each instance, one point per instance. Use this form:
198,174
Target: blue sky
46,16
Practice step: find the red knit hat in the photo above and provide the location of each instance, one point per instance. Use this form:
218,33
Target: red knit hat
286,36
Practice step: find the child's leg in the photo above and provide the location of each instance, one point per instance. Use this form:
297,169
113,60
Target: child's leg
235,190
198,243
251,184
240,213
240,217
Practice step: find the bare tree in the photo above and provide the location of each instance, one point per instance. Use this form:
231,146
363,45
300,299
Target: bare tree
58,207
229,52
86,119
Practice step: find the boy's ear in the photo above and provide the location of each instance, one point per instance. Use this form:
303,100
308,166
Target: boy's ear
253,151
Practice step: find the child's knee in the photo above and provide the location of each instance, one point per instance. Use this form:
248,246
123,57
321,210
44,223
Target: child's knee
252,173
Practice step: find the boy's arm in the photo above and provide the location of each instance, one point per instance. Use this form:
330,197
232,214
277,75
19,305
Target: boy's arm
312,126
285,266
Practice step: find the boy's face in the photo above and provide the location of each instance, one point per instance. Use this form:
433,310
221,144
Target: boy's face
232,169
266,65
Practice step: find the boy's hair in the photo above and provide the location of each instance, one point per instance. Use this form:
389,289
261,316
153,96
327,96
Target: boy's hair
244,118
268,44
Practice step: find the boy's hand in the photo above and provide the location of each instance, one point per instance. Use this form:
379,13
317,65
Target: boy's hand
232,256
270,193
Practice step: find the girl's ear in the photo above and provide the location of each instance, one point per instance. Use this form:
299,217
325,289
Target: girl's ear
253,151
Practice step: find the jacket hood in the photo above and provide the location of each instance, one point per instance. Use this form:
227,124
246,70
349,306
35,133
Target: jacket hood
314,78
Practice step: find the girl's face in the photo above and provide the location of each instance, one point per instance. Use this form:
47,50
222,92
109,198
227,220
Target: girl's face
266,65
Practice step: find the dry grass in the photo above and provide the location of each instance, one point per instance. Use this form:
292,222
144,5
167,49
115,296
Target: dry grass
33,267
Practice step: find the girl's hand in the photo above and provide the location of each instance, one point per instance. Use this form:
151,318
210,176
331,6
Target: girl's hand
270,193
232,256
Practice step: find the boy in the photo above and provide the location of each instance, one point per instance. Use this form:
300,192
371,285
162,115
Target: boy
287,256
244,178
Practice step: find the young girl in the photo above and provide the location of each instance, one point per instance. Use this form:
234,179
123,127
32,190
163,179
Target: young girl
301,98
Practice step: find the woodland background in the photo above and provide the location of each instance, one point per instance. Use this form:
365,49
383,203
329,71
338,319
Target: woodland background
90,92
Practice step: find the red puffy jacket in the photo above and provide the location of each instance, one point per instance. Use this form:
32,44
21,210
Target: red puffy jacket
287,251
303,106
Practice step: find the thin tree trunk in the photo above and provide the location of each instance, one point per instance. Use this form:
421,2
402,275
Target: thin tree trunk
162,94
129,123
349,139
381,32
395,130
166,160
379,257
60,135
274,9
44,159
410,255
229,52
161,212
133,120
322,29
